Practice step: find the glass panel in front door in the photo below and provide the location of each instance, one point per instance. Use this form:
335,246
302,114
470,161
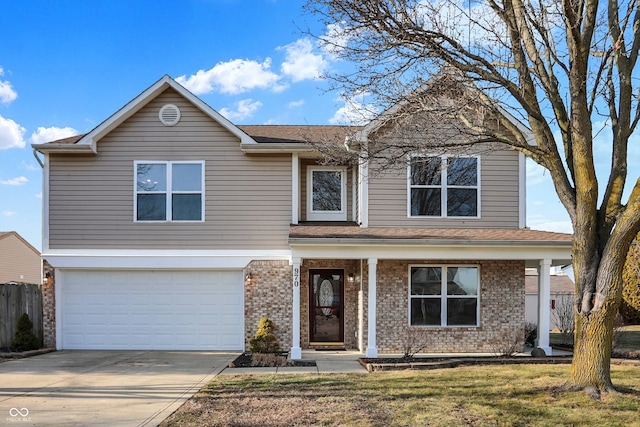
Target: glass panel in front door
326,306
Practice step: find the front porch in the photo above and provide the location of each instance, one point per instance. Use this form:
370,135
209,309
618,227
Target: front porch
377,290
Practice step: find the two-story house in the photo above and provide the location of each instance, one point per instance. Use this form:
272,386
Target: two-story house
169,227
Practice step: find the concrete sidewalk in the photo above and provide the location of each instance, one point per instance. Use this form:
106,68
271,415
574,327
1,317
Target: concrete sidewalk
331,361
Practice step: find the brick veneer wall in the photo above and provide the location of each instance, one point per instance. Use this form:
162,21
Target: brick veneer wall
501,304
501,309
49,306
269,294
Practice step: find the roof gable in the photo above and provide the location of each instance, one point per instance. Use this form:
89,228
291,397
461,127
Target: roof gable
8,234
88,143
446,79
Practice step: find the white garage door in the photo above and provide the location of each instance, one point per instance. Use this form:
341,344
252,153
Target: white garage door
156,310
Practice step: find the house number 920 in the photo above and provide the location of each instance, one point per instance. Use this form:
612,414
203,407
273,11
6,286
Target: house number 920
296,277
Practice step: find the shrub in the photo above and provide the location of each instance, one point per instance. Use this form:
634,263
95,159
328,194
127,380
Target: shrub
530,333
508,345
269,360
264,340
564,317
414,341
24,338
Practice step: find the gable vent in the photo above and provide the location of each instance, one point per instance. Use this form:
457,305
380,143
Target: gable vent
169,115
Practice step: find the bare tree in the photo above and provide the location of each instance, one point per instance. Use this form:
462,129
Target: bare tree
558,66
562,315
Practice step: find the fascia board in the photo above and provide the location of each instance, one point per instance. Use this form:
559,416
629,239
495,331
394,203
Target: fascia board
424,242
159,259
560,255
255,147
528,134
85,147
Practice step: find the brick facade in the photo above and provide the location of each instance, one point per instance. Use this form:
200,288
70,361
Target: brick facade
49,306
269,294
501,305
501,309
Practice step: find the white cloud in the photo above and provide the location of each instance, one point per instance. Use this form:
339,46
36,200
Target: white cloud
536,174
335,40
7,93
233,77
548,224
9,213
31,167
21,180
244,109
11,134
296,104
39,195
53,133
353,112
301,63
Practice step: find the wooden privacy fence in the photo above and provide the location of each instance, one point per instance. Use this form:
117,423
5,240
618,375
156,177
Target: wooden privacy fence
16,299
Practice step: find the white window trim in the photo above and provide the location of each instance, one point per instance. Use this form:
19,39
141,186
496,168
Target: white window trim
168,192
443,187
324,215
443,296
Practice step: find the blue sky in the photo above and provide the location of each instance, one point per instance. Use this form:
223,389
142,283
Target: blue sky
65,66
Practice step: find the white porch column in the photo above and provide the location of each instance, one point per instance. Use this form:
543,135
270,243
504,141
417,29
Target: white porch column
544,304
296,351
372,348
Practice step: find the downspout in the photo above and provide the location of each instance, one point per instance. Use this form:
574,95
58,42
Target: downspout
35,154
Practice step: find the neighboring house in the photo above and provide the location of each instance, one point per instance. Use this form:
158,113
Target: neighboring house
561,291
19,261
169,227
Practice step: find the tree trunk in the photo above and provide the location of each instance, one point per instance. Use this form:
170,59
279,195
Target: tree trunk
590,368
591,364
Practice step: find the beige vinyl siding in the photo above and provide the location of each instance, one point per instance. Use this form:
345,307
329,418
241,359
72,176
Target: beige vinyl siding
247,197
19,262
499,200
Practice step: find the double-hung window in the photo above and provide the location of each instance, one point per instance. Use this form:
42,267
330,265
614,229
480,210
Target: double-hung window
326,193
444,295
444,186
169,191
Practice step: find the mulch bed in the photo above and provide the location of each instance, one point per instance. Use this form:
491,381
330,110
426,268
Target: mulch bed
392,364
6,353
245,360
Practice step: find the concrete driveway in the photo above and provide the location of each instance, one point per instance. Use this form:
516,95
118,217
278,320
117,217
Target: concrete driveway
102,388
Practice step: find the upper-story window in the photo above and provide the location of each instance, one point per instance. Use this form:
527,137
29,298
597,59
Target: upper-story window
326,193
169,191
444,295
444,186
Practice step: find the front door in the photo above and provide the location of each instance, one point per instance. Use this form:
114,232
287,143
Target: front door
326,311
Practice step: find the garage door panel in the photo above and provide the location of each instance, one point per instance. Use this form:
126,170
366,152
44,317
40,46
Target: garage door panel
179,310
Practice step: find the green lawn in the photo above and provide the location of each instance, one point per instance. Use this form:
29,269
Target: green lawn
628,341
519,395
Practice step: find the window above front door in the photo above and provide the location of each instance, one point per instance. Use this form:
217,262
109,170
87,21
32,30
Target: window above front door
326,193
